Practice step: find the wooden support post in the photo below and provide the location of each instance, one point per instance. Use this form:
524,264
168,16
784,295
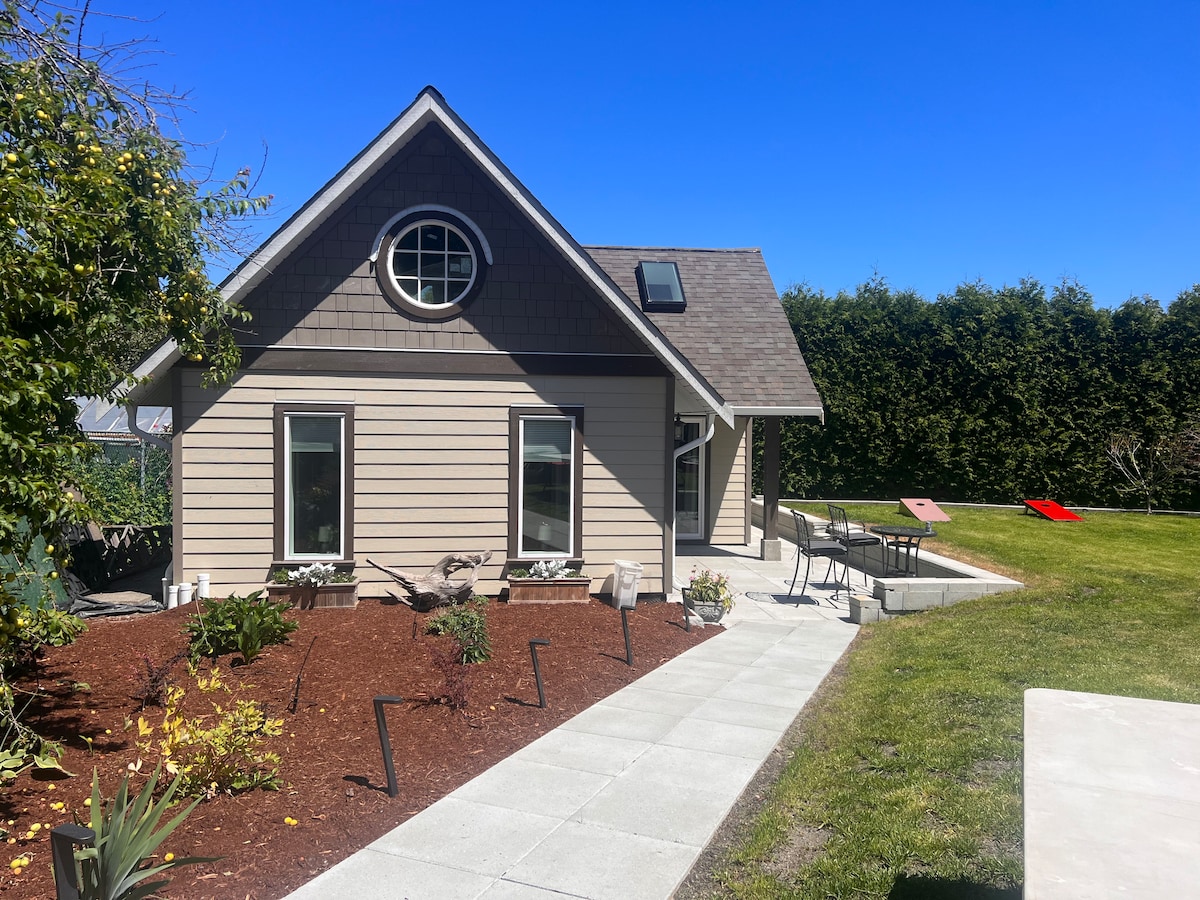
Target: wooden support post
770,548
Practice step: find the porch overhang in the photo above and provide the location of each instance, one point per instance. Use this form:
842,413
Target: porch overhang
804,412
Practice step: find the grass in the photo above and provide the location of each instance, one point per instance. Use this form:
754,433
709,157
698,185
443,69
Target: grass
909,772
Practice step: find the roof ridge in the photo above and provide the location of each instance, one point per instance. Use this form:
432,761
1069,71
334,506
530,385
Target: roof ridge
673,249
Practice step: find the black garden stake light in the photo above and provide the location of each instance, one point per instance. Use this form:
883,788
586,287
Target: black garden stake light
384,743
625,628
62,851
537,672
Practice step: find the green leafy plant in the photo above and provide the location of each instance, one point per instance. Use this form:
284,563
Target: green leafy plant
20,746
467,624
127,835
707,586
242,624
126,484
219,752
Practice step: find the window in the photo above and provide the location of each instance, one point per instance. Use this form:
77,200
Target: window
432,264
314,482
545,482
689,481
431,261
659,285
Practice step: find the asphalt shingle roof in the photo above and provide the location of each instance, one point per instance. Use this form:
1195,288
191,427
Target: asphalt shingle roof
734,330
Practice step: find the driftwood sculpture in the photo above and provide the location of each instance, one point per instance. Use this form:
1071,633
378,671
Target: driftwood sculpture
438,588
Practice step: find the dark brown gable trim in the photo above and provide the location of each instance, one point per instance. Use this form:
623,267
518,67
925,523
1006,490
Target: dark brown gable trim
434,363
514,476
281,411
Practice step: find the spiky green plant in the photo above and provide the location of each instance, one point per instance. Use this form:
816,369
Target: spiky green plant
127,835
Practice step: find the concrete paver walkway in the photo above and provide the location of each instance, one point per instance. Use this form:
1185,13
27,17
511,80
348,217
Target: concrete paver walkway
619,801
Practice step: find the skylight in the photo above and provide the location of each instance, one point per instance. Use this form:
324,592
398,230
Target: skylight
658,283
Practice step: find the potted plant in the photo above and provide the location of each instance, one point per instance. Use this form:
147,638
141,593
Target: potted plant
315,586
548,581
708,595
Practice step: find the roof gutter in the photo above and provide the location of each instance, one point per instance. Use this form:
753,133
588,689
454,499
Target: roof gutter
807,412
147,436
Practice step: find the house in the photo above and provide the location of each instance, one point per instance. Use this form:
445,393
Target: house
435,365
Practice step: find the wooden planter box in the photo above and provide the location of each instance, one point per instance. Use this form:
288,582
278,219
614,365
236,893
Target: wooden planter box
543,590
327,596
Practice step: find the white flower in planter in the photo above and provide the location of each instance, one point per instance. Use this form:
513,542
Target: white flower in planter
551,569
314,575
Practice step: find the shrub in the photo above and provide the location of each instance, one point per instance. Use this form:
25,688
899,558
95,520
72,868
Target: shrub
127,485
21,746
452,666
151,679
216,753
242,624
127,836
25,631
467,624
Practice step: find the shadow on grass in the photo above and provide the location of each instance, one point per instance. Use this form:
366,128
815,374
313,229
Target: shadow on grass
920,887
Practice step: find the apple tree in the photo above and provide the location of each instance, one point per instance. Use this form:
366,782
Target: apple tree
105,237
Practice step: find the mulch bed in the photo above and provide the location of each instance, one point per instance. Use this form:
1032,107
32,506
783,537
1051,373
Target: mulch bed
332,770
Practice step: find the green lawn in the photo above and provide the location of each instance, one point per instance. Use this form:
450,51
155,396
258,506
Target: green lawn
910,771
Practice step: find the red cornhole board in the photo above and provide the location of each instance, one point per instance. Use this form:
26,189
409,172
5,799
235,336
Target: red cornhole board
922,508
1049,509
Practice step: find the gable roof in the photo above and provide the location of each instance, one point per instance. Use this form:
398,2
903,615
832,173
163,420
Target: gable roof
430,106
734,330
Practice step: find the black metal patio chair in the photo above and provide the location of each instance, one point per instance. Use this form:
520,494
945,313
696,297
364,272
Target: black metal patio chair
853,539
809,546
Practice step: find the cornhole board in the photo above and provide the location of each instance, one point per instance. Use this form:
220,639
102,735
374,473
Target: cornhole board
1049,509
922,508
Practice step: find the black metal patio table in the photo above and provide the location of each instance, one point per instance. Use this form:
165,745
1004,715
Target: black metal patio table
906,538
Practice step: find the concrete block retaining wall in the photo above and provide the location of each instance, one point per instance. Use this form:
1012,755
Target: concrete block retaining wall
944,581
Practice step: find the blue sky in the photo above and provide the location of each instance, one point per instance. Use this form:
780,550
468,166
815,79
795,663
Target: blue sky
933,143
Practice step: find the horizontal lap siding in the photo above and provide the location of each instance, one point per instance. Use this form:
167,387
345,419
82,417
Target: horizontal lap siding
729,471
431,471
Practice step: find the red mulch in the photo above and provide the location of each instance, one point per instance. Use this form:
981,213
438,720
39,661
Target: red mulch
333,775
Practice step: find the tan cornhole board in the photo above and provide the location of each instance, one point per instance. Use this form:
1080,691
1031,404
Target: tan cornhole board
923,509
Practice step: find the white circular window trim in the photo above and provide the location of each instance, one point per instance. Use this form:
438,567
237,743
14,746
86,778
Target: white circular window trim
433,208
415,218
461,286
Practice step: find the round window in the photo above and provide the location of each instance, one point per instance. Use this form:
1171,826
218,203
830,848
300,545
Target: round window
432,264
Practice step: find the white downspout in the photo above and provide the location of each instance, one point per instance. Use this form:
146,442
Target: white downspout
148,437
679,451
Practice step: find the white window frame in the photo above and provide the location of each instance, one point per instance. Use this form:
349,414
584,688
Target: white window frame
701,498
445,253
573,506
289,493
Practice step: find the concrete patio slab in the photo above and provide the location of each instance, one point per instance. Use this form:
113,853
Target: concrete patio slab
582,860
378,876
619,801
1112,797
474,837
533,787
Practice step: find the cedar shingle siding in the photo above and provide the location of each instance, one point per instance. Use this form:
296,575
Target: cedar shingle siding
327,294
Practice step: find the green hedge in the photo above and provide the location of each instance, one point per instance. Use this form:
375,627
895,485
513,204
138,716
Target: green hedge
986,395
